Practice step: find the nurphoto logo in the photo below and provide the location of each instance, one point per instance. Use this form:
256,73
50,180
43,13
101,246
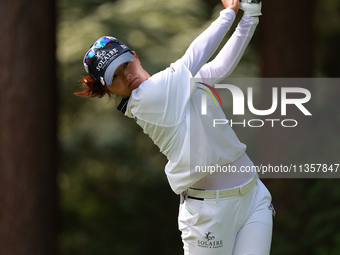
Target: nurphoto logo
239,99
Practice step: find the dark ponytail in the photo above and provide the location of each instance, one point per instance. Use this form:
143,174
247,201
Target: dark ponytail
92,88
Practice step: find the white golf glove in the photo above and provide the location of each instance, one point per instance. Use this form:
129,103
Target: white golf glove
250,9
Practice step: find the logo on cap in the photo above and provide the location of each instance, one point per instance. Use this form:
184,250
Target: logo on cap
104,57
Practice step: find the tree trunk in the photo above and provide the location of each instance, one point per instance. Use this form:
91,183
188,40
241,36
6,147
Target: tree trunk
287,52
28,144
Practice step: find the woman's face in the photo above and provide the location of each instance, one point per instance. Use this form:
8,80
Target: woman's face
128,77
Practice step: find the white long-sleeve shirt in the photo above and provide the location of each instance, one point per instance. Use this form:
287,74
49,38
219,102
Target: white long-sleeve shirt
206,44
168,104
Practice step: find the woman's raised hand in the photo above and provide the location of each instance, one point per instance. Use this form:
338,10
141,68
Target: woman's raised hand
231,4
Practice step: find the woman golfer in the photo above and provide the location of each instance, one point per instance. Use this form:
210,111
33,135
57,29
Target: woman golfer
220,212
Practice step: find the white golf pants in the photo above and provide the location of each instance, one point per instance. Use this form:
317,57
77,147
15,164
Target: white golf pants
241,224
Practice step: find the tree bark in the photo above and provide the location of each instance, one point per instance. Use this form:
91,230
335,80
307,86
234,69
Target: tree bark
28,143
286,32
287,38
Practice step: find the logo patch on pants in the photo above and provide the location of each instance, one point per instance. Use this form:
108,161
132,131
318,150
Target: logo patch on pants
209,241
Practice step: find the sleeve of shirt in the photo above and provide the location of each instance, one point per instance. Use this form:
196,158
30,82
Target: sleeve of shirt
202,48
229,56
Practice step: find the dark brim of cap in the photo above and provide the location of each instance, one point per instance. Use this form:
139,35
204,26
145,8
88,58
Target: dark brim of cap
111,69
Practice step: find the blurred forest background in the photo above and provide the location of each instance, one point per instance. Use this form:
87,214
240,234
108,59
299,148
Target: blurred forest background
77,177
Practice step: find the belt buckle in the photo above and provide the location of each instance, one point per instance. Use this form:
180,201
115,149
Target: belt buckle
244,189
